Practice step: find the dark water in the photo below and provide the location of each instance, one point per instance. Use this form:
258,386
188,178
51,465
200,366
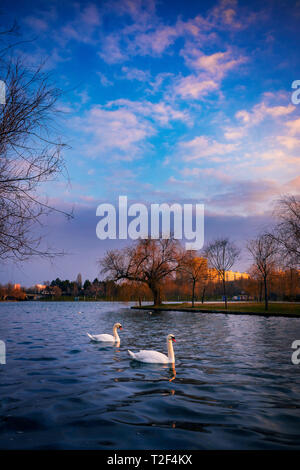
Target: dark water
235,385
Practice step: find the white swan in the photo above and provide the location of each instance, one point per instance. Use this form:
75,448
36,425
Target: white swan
108,338
155,356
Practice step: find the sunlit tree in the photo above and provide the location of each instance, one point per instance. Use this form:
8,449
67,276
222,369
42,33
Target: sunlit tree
193,269
221,255
264,250
148,262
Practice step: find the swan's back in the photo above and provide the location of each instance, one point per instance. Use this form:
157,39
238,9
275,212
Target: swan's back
149,356
102,337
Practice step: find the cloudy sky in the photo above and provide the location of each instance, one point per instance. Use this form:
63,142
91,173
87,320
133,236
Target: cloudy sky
165,101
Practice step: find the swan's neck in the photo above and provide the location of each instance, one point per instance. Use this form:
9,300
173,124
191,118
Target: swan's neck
116,336
171,355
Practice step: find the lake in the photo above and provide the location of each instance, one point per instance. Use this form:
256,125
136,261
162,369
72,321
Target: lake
234,386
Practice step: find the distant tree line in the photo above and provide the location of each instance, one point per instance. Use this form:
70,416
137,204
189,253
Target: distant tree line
96,290
282,285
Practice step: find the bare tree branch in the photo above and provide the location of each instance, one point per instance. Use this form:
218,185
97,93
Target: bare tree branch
221,255
148,261
264,250
30,154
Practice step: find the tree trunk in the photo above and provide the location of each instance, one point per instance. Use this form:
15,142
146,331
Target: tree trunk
193,293
224,292
260,291
203,294
266,294
156,293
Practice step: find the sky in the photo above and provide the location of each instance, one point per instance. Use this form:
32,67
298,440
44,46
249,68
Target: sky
164,101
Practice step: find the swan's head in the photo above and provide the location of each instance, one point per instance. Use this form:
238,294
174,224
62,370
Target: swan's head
171,338
118,325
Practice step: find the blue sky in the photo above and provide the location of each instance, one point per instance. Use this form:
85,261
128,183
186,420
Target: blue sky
165,102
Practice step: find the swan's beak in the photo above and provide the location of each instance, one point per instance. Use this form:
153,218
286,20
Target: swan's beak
121,328
174,340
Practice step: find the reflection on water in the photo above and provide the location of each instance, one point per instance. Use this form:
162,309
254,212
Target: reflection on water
234,385
172,372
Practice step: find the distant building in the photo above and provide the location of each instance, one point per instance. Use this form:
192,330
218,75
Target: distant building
40,287
17,286
229,275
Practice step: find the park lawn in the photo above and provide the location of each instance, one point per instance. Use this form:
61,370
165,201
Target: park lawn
275,308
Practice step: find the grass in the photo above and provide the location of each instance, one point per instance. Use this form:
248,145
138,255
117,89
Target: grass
251,308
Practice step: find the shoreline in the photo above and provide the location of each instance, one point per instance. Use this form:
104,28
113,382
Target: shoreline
216,310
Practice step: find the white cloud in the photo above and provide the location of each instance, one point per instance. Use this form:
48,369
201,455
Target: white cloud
194,87
210,71
261,111
254,117
104,80
288,141
116,133
136,74
202,147
161,112
111,51
87,20
212,173
121,128
293,126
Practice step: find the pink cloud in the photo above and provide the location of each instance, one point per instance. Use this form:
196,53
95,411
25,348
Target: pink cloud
293,126
202,147
90,15
261,111
82,28
136,74
288,141
194,87
161,112
211,69
216,64
36,23
207,172
111,51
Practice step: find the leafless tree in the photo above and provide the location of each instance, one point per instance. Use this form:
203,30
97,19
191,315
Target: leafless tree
287,230
264,251
30,153
193,269
221,255
147,261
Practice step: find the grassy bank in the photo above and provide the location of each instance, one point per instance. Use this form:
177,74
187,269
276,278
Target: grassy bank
288,309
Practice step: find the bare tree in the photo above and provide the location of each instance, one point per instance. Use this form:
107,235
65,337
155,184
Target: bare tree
30,155
193,269
264,250
287,230
255,283
221,255
147,261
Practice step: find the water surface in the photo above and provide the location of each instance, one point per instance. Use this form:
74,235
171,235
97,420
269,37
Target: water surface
235,384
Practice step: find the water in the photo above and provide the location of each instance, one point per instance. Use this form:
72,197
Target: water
235,385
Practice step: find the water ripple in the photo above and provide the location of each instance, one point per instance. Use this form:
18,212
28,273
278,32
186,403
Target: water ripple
234,386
